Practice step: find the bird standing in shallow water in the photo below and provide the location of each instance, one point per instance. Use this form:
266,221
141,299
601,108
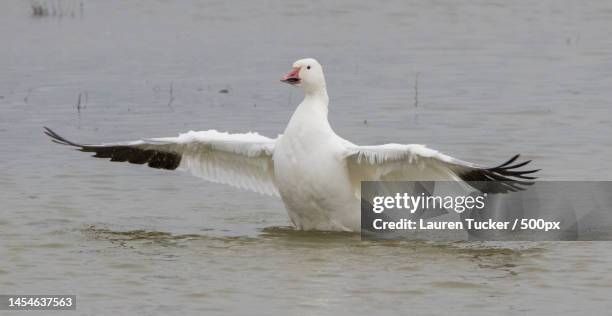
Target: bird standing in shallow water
316,173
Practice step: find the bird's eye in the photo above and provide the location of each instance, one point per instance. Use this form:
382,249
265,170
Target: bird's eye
308,67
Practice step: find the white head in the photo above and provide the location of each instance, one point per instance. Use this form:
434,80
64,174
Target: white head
307,73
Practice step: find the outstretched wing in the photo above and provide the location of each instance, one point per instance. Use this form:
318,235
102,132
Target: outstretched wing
240,160
395,162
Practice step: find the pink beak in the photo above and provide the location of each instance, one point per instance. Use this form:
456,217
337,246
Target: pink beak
293,77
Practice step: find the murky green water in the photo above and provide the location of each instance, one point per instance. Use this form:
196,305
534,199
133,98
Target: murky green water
494,79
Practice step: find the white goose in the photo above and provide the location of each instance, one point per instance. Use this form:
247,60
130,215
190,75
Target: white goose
315,172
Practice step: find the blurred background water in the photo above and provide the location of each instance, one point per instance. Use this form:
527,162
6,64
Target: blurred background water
479,80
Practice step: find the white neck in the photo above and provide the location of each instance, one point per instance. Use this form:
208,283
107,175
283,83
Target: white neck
311,114
317,98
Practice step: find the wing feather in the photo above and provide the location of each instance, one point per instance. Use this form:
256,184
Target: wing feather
395,162
240,160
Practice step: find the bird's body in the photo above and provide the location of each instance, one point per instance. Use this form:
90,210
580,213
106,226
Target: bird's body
315,172
311,173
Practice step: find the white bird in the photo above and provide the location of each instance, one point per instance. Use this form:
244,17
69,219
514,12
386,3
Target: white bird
315,172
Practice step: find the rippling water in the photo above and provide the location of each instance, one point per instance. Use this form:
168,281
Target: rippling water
493,79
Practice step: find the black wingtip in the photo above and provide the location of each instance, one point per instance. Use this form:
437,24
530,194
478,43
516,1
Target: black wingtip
56,138
511,160
154,158
508,174
506,177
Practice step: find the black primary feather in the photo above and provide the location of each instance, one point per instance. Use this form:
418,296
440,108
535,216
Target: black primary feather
501,179
124,153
